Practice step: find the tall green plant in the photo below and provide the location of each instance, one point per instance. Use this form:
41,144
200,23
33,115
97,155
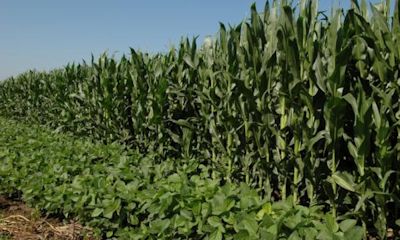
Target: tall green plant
290,101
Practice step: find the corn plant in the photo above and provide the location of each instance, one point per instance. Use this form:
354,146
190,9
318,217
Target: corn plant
290,101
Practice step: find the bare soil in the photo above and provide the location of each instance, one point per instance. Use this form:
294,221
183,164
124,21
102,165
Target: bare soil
18,221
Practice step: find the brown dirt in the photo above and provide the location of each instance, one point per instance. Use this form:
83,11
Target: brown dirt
17,221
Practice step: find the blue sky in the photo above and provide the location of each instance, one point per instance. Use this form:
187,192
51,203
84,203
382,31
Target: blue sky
46,34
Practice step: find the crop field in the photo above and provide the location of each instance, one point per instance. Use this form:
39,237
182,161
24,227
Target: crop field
285,126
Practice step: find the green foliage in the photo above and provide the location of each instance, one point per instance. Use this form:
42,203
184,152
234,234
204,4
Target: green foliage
290,102
128,196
